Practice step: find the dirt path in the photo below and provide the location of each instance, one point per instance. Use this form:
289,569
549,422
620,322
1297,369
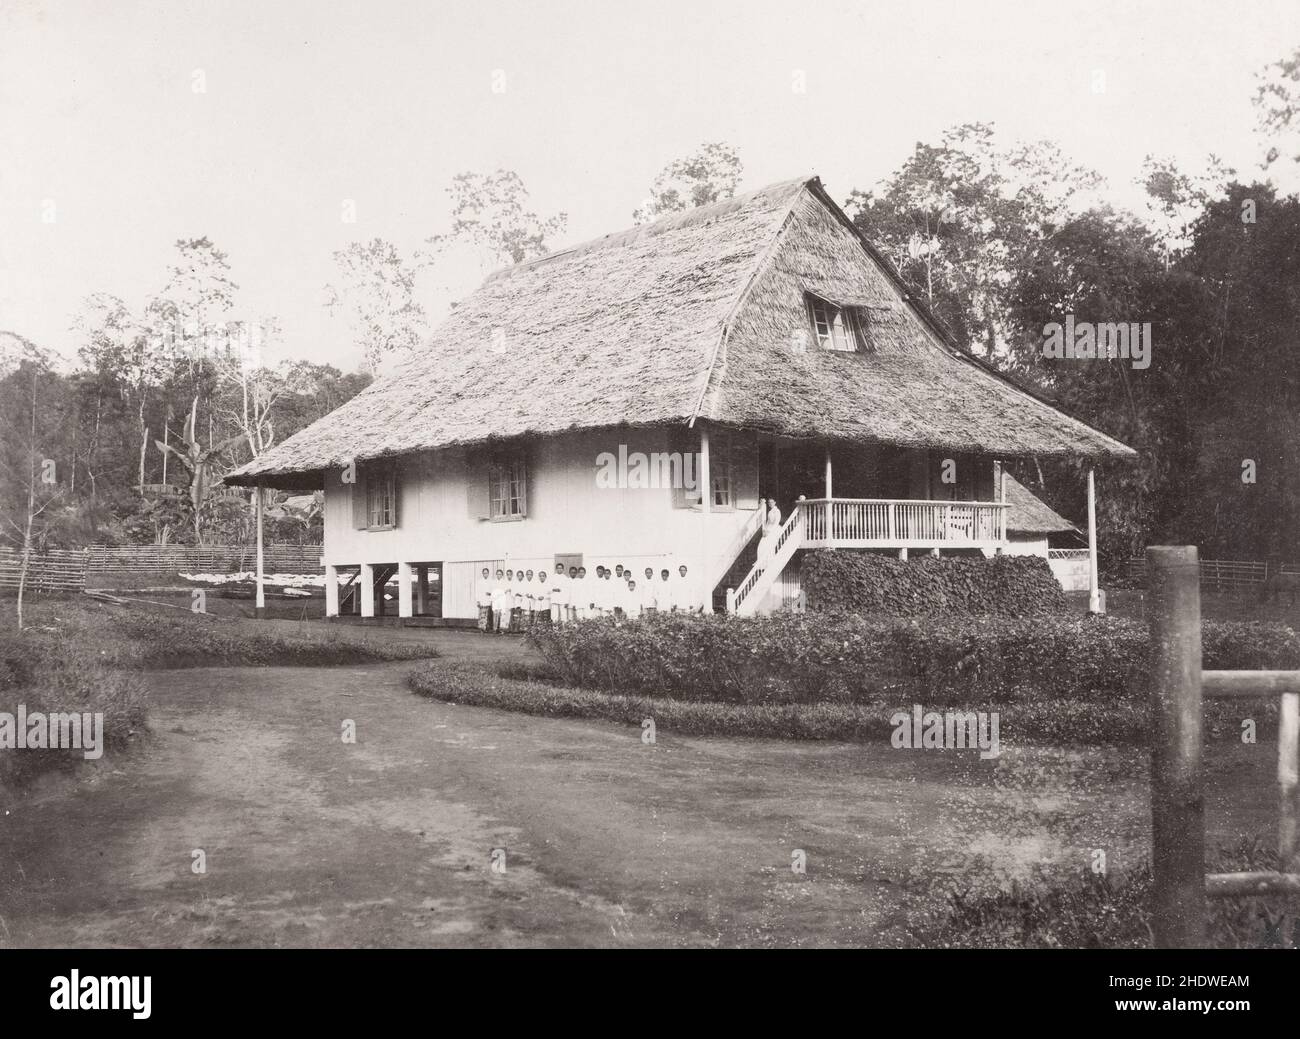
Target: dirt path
388,842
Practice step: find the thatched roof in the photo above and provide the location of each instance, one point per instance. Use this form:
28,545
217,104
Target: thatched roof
1029,514
637,328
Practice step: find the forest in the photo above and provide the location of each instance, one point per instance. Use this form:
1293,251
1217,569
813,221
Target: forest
1001,239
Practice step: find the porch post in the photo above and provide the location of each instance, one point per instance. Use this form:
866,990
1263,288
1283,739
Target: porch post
367,581
706,481
1094,593
829,506
404,589
1000,522
331,591
422,589
260,610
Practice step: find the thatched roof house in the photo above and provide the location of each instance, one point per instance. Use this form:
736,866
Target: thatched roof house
763,336
670,322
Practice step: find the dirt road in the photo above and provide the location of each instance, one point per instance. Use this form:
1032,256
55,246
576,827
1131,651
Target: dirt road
311,841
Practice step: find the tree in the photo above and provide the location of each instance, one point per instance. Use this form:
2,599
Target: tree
200,463
376,292
31,422
958,219
491,212
709,175
1277,108
1176,198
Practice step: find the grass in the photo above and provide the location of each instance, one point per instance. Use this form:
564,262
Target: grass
144,637
85,656
1102,912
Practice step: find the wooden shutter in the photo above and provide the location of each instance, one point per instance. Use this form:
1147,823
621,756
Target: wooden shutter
395,474
744,470
477,501
681,441
360,516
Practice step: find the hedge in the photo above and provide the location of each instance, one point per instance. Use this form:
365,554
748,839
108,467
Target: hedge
820,658
856,582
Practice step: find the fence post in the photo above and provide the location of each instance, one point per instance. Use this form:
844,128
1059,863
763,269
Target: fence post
1288,778
1177,800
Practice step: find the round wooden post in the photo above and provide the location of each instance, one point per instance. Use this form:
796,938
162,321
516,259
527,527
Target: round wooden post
1177,800
260,606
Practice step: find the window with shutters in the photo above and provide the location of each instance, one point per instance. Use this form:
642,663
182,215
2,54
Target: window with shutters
836,328
508,489
381,499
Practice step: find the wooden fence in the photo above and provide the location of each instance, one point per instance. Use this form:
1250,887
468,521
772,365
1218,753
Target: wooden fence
1177,784
1223,573
55,571
62,570
205,559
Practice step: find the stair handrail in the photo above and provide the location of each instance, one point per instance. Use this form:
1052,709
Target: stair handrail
737,546
784,538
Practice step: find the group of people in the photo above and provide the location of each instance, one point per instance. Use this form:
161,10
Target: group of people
519,599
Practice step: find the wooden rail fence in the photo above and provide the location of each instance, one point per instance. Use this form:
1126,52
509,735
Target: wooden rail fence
1223,573
1177,786
62,570
58,570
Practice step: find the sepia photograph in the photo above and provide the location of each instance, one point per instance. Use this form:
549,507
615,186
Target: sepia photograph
563,475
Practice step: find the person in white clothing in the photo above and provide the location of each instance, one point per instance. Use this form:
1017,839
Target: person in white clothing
684,598
581,595
559,595
500,604
646,592
542,600
484,600
771,528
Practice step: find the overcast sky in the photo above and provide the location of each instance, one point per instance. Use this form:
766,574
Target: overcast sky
309,103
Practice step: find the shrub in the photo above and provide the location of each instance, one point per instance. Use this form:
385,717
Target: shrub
816,658
855,582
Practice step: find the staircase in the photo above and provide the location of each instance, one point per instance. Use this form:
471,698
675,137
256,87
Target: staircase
739,569
350,593
754,589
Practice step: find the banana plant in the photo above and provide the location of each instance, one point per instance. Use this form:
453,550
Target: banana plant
199,462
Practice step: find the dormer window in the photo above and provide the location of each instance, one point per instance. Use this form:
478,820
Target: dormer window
836,328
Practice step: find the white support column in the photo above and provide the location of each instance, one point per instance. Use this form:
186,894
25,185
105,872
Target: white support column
261,589
1094,593
706,481
404,590
829,506
422,589
331,591
367,581
902,554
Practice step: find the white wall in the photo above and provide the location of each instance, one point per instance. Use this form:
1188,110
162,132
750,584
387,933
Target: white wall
567,514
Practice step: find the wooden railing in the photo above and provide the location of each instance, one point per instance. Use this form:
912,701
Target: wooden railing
882,522
766,570
1180,884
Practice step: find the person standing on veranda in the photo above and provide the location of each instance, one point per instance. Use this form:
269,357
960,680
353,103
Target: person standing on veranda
771,528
